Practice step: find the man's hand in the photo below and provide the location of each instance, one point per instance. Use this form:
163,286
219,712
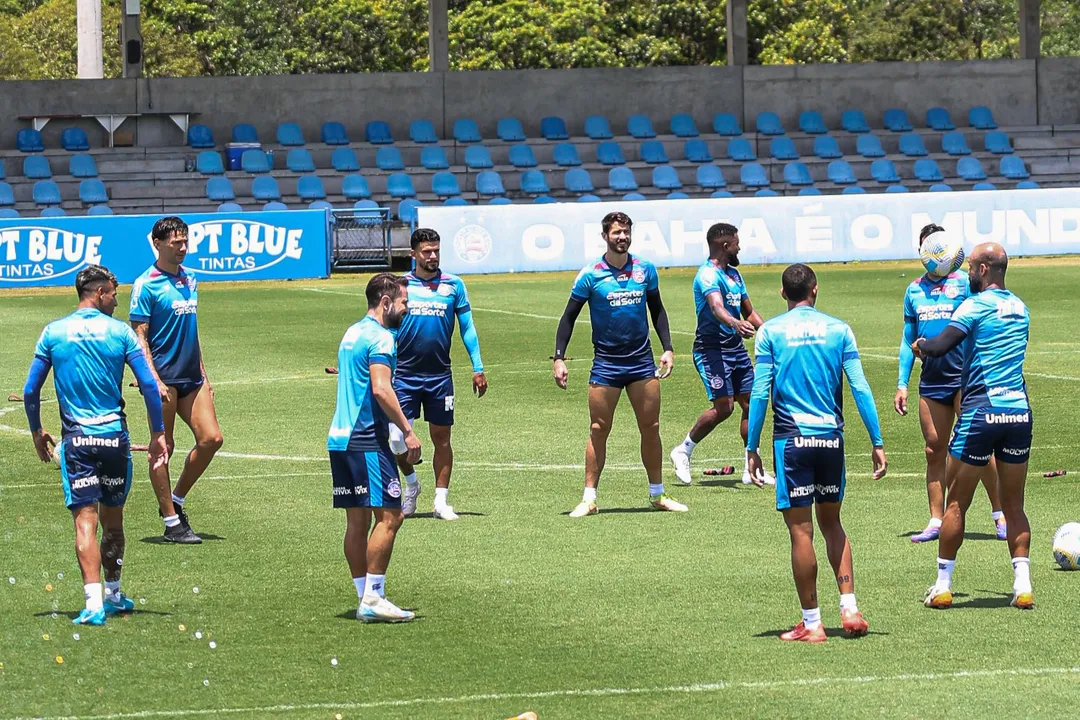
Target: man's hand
163,391
745,328
44,444
667,361
479,384
412,447
915,349
157,451
900,401
881,465
757,472
560,373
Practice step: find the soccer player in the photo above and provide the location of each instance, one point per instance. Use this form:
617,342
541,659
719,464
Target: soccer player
995,416
423,378
725,316
88,350
928,306
164,303
362,464
618,287
802,357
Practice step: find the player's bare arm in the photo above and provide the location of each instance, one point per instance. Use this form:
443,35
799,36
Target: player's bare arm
752,316
716,305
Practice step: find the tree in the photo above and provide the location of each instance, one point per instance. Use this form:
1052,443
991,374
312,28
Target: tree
1060,28
784,32
911,30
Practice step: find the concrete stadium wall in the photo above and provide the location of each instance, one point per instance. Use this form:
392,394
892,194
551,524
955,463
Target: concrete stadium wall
1059,91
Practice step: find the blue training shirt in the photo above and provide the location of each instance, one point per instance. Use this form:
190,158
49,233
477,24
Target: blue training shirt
359,422
423,340
617,307
169,303
712,334
996,323
928,307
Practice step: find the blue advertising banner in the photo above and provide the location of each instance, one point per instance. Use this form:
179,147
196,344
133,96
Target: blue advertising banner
566,236
38,252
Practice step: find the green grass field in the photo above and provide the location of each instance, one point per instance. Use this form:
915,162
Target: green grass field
625,614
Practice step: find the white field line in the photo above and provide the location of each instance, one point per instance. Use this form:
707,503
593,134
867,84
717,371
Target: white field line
1048,376
692,689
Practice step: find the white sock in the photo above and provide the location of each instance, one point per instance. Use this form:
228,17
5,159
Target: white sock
178,501
172,520
944,574
812,618
656,490
360,583
410,479
688,445
112,588
995,516
935,523
441,496
746,460
1021,575
92,591
376,585
589,495
847,602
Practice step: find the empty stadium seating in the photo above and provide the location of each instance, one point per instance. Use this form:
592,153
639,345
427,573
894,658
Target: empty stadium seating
334,133
36,167
466,131
597,127
74,140
422,131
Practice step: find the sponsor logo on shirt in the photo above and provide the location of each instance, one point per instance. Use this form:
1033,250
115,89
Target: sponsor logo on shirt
814,442
32,253
237,247
427,308
82,330
941,311
1016,452
185,307
472,244
1006,418
1007,393
622,298
639,275
805,333
92,441
952,292
808,419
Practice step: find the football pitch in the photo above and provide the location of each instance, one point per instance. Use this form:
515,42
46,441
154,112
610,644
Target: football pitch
630,613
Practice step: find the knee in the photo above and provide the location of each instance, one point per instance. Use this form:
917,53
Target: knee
441,441
649,426
599,429
936,450
724,410
212,443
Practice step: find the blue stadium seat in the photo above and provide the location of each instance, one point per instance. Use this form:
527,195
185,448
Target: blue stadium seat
368,212
840,172
980,118
1012,167
897,189
621,179
83,166
577,181
200,137
697,151
633,196
803,192
896,120
310,187
455,201
1022,185
666,177
208,162
683,125
53,211
544,200
92,192
726,124
722,194
796,173
490,182
811,122
275,206
46,193
997,142
884,171
378,132
9,213
854,121
937,118
477,157
389,159
422,131
299,160
783,148
768,123
244,133
7,197
321,205
400,185
290,135
219,189
853,190
588,197
710,177
826,147
911,144
677,196
753,175
926,169
955,144
553,128
366,205
766,192
640,126
566,155
29,141
869,146
74,140
609,153
433,157
940,187
407,210
36,167
500,200
740,150
265,188
99,210
522,156
652,152
970,168
466,131
344,160
355,187
334,133
534,182
255,161
984,186
445,184
510,130
597,127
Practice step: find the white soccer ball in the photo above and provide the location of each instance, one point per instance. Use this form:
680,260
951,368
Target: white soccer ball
56,455
1067,546
941,254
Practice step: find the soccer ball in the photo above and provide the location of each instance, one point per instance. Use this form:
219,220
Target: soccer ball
1067,546
55,455
941,254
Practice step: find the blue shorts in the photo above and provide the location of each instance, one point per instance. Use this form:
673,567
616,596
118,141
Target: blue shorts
809,470
183,389
944,394
609,374
433,393
725,372
992,432
365,478
95,469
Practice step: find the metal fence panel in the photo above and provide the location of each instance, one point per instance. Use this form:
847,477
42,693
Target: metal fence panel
361,238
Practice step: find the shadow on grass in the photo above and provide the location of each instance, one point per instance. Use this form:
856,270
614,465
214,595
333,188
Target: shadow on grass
351,615
160,540
967,535
431,516
730,484
618,511
829,632
995,600
72,614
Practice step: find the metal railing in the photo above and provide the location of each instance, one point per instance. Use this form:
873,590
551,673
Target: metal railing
361,238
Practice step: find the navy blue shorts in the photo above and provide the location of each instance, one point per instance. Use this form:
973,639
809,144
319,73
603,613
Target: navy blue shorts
944,394
725,373
365,478
95,469
609,374
183,389
433,393
992,432
809,470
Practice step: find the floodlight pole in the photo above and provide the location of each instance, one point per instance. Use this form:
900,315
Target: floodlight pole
737,33
91,65
131,42
438,36
1030,29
